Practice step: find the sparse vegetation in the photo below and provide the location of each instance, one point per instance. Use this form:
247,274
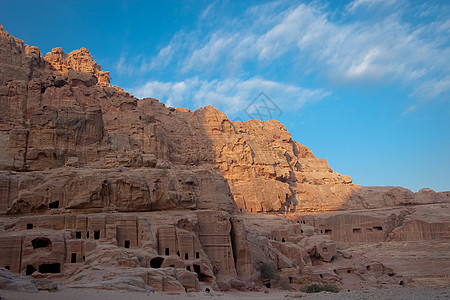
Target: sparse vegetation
269,271
317,288
285,285
57,163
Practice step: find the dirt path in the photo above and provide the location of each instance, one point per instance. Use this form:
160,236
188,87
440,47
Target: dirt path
402,293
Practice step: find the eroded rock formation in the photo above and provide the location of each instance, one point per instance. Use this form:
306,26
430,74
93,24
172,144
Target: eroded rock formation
99,188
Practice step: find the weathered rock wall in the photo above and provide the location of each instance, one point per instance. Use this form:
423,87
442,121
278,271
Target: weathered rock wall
410,223
99,188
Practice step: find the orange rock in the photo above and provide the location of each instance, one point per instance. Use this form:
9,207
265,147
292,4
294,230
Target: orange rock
101,189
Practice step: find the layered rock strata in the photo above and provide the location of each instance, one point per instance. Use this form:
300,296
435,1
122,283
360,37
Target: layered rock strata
99,188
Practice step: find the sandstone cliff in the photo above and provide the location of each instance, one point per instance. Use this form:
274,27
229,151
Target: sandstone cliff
97,185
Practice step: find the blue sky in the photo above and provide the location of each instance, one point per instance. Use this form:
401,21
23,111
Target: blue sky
364,83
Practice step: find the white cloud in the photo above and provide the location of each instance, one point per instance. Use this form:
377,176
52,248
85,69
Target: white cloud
388,49
231,95
357,4
410,109
432,88
308,38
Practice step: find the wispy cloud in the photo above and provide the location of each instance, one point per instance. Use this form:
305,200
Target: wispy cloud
357,4
308,39
230,95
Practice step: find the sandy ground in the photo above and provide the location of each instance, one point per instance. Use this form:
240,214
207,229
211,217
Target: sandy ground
406,293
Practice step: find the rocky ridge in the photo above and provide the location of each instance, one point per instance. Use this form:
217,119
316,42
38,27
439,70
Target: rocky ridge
177,200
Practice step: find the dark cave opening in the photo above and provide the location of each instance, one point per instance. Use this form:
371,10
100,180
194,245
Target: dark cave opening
50,268
156,262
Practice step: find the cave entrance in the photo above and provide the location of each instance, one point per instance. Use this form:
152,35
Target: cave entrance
50,268
73,258
41,242
30,270
156,262
197,270
96,235
127,244
54,204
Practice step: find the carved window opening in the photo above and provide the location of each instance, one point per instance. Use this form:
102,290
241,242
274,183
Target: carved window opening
197,270
78,235
87,234
41,242
73,258
30,226
96,235
84,258
320,275
378,227
50,268
356,230
8,267
267,285
197,254
200,275
301,230
283,240
127,244
156,262
328,231
30,270
167,251
186,256
188,268
178,253
54,204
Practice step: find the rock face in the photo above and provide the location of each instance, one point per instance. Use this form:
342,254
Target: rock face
99,188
